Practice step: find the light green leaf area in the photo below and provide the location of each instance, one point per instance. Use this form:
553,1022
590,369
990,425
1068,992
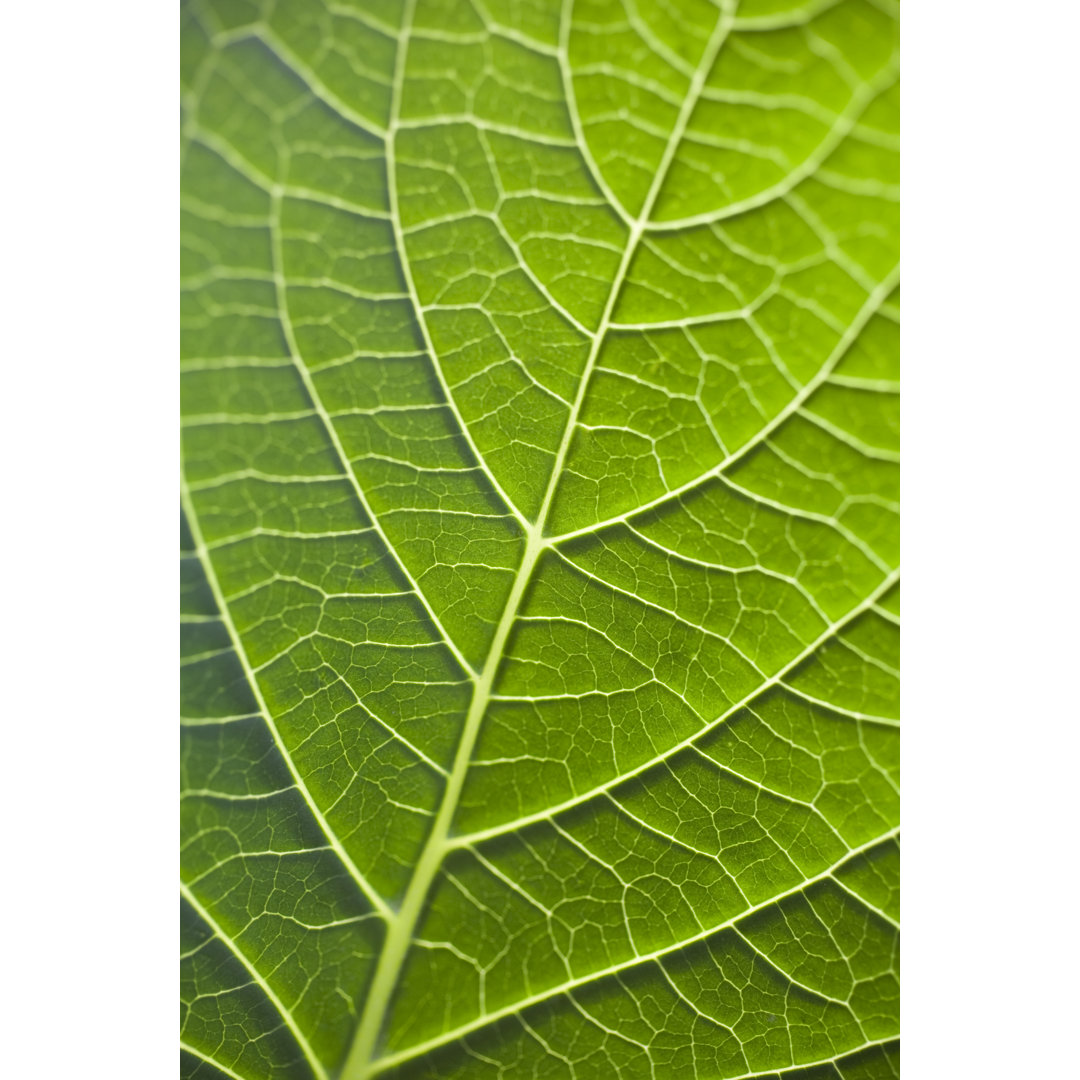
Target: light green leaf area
539,539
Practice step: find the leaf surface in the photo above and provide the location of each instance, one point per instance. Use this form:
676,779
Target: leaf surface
539,549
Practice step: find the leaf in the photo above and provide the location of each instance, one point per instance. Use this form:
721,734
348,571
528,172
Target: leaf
539,544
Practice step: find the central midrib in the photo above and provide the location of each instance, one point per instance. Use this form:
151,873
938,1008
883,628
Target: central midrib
361,1061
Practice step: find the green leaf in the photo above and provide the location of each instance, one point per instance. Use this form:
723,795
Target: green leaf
539,542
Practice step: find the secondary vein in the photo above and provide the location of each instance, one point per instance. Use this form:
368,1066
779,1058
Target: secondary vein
369,892
286,1016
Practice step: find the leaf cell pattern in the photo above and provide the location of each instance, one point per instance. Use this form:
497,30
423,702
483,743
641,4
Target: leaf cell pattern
539,562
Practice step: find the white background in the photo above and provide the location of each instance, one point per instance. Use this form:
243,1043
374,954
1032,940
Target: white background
88,497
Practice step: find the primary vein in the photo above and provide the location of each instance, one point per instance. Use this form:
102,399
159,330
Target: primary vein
362,1059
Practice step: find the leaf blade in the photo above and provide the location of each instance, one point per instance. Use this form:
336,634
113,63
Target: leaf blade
553,484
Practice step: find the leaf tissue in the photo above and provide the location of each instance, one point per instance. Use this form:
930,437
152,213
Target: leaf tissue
539,547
